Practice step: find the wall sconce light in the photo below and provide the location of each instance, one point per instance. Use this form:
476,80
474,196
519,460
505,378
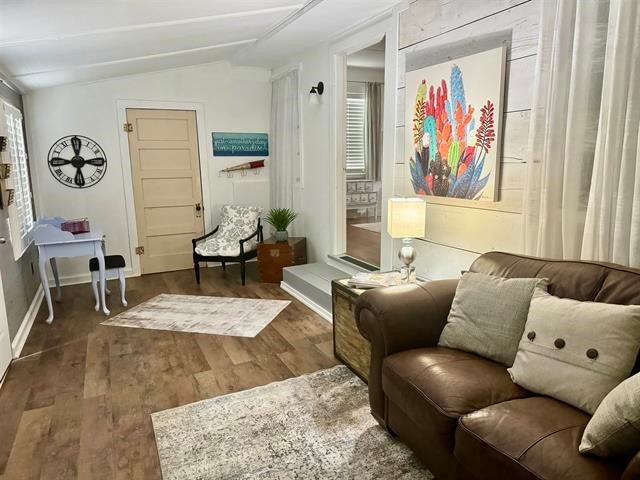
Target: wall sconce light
314,94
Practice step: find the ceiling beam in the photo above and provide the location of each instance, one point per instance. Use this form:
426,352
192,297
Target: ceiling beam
286,21
136,59
144,26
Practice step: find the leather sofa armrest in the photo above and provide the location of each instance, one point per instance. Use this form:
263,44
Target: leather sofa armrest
397,319
632,472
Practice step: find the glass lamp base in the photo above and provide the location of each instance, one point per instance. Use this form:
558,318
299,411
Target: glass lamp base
408,274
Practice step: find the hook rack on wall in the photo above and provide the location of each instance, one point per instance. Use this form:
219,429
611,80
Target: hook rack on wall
243,168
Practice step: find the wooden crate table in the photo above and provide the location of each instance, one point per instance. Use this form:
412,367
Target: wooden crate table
349,346
274,256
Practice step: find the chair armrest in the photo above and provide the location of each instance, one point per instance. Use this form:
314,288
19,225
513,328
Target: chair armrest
196,240
400,318
258,232
632,472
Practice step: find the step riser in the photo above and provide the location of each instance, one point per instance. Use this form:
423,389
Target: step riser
311,284
308,290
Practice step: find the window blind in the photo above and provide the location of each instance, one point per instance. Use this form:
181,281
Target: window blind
355,144
21,218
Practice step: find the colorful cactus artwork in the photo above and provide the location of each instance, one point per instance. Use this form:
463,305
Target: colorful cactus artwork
454,142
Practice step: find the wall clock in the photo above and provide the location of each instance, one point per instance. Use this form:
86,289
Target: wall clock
77,161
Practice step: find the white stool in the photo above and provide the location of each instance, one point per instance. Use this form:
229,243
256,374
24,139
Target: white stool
114,269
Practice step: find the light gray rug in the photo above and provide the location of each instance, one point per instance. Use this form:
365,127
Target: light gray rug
317,426
373,227
239,317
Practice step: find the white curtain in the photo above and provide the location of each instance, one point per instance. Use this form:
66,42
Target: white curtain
373,127
564,125
583,184
612,230
284,139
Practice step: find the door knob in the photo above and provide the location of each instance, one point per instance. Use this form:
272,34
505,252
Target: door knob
198,209
3,240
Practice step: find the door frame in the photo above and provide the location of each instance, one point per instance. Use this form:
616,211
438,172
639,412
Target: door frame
384,27
127,180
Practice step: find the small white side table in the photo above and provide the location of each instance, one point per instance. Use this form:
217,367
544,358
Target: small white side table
53,242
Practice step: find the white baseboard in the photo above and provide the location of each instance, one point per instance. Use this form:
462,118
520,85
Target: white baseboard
307,301
27,322
81,278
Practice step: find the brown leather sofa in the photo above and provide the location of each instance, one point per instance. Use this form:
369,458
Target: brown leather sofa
461,413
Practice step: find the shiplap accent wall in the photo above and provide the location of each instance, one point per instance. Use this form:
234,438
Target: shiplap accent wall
458,233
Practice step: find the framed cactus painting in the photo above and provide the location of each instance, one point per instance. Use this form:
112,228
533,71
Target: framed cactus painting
453,127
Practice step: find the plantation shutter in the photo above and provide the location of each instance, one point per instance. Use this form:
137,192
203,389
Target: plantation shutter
355,145
21,220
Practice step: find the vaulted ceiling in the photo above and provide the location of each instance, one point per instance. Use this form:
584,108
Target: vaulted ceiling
51,42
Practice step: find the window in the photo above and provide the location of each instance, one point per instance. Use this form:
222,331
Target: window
356,114
21,218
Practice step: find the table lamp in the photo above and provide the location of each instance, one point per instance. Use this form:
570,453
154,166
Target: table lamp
406,220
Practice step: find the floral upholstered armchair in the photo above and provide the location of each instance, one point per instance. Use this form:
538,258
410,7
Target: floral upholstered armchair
235,239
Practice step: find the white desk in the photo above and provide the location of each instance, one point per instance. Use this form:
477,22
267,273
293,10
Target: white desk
53,242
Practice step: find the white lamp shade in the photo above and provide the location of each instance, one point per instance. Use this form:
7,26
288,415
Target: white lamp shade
314,99
406,217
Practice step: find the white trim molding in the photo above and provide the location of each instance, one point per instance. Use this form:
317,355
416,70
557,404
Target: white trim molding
307,301
127,181
370,32
27,322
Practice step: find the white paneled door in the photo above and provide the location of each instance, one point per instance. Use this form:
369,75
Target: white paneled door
5,342
165,170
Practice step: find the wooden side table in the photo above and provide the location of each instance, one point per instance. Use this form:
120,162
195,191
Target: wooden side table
349,346
274,256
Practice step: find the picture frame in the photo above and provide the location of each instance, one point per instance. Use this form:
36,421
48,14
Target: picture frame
453,127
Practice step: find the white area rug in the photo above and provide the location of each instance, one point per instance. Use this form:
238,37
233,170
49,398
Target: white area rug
313,427
238,317
374,227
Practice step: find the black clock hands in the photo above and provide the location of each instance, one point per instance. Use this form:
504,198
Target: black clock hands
79,178
59,162
76,144
96,162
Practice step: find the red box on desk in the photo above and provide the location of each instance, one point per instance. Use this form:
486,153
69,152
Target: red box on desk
79,225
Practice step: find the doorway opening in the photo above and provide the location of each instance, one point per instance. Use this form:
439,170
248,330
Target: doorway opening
363,152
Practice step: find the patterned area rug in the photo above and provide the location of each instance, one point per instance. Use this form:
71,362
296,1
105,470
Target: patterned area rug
317,426
374,227
238,317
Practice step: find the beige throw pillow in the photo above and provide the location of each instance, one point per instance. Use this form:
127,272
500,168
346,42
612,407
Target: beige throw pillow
615,427
575,351
488,314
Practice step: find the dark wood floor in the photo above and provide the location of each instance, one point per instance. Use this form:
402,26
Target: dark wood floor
80,408
361,243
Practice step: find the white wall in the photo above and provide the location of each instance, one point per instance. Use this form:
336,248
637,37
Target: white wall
320,188
360,74
457,234
233,99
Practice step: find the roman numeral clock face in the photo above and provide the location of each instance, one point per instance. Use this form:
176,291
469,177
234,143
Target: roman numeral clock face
77,161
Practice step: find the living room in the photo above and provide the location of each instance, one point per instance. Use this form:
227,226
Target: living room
178,279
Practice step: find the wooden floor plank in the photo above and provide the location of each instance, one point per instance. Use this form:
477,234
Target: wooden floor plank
79,406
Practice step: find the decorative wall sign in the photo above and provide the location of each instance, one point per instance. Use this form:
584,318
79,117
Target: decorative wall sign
240,144
453,117
77,161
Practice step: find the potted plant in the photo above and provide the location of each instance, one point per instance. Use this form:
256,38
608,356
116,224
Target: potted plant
280,219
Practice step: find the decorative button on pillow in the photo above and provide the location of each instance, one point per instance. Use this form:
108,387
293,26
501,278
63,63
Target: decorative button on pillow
575,351
615,427
488,315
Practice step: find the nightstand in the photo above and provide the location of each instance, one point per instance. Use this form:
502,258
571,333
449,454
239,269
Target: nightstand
274,256
349,346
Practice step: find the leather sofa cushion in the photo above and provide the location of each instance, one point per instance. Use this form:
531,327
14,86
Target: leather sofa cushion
435,386
530,438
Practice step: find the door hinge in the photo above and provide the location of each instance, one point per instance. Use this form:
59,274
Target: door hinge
127,127
139,250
